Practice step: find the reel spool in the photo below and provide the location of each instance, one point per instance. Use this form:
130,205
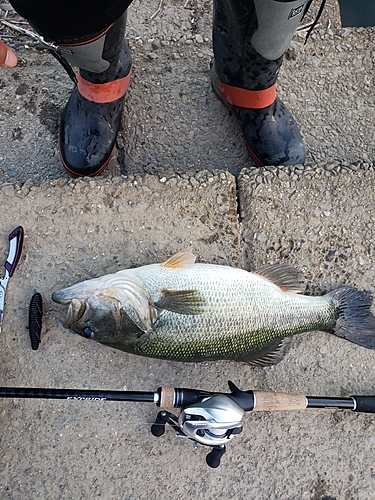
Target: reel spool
213,422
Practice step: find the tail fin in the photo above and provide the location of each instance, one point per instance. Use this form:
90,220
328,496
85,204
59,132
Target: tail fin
355,322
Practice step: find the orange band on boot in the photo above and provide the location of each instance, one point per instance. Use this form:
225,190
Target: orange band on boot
254,99
103,92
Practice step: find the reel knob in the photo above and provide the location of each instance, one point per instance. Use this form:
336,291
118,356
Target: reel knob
158,428
214,457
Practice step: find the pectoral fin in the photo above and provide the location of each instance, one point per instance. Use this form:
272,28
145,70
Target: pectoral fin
188,302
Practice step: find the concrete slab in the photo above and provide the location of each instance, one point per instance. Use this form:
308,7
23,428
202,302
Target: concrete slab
76,230
321,223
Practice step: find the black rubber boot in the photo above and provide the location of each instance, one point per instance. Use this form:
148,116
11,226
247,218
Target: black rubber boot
91,119
249,41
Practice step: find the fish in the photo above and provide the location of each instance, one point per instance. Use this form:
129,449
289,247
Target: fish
186,311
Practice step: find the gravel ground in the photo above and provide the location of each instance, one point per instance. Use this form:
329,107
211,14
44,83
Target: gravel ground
181,176
173,122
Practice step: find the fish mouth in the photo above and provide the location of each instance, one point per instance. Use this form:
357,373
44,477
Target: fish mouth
78,312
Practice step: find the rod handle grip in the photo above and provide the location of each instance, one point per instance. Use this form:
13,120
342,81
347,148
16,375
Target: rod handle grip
270,401
364,404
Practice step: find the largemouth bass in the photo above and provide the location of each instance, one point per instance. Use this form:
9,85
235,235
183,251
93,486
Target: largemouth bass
184,311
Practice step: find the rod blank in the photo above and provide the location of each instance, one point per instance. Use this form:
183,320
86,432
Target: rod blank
79,394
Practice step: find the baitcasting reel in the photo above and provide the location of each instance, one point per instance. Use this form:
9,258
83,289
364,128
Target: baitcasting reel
212,422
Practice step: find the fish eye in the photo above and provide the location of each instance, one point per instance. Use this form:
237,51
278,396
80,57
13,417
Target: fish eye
88,333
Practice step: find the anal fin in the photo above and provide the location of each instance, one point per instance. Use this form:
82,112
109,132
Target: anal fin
270,354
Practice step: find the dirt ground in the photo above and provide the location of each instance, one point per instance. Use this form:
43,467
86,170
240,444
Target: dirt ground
181,176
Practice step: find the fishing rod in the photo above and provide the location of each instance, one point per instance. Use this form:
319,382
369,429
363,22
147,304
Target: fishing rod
209,418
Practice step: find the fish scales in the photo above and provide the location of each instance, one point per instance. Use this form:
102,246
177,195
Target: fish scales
243,312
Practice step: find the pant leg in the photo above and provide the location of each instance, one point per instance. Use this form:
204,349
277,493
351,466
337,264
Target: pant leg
69,21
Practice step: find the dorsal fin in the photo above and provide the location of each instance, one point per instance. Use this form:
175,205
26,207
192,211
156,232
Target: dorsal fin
284,276
182,260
